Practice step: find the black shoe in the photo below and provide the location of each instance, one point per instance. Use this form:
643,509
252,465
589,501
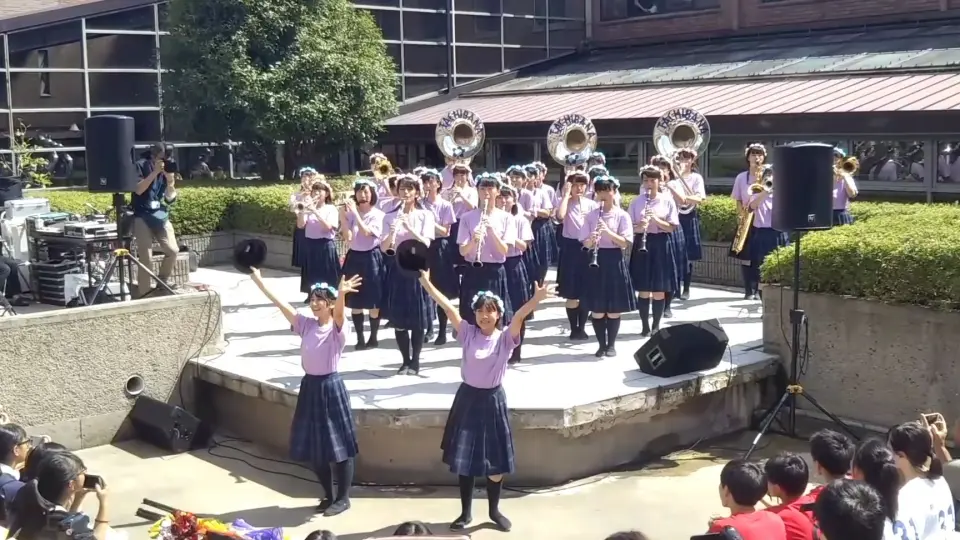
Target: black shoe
414,372
441,340
360,346
685,295
428,337
338,507
747,296
460,523
581,335
611,352
656,329
668,314
324,504
645,333
372,344
501,521
600,352
404,370
754,296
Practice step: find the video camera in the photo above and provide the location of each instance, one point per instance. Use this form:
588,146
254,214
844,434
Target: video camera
169,162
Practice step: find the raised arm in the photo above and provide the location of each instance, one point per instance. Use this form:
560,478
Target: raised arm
453,314
540,293
347,286
288,312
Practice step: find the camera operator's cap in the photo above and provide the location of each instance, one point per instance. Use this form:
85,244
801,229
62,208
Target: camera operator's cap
248,254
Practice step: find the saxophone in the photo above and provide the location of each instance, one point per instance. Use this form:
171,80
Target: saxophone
745,218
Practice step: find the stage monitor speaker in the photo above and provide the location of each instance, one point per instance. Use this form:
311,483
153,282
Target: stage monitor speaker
803,187
111,154
168,426
683,348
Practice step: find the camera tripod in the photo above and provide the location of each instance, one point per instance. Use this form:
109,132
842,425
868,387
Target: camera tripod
794,389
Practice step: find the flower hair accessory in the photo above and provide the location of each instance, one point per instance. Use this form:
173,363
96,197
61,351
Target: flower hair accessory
506,188
324,287
361,182
650,170
540,166
429,173
516,170
599,158
597,171
607,179
306,170
413,179
419,170
755,147
489,179
481,295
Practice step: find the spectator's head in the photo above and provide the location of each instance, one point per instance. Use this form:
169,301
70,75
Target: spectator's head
14,445
412,528
35,458
60,476
849,509
832,453
912,444
787,476
742,485
627,535
322,534
875,464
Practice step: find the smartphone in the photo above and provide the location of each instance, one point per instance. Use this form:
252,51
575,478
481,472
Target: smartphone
92,481
935,419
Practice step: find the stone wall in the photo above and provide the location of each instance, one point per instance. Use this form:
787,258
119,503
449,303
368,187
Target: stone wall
870,361
65,372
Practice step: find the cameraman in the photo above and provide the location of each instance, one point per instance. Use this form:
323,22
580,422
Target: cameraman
154,193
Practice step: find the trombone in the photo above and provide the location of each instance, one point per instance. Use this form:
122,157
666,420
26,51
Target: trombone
382,169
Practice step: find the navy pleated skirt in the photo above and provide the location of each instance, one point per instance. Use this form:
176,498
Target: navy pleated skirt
319,263
531,263
762,242
369,266
519,283
609,287
544,242
654,270
442,264
691,235
842,217
477,439
298,236
406,304
323,430
455,255
489,277
679,247
572,268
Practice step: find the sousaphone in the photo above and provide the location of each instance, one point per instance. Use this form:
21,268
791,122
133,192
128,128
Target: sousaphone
681,129
571,139
460,135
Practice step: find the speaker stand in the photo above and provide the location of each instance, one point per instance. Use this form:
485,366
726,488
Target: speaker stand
794,389
121,258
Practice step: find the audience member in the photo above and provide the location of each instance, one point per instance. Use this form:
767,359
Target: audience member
925,504
627,535
14,446
849,510
412,528
321,534
742,485
787,478
875,464
832,453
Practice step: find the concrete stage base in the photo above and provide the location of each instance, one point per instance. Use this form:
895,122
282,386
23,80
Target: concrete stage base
573,415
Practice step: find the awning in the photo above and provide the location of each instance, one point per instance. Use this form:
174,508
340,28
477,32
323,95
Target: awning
876,93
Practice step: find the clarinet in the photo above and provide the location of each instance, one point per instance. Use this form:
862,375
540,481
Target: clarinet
651,198
595,250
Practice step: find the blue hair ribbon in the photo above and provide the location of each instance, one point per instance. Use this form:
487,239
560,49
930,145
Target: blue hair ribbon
324,287
488,294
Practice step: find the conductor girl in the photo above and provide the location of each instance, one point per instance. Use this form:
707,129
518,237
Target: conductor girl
652,264
363,227
477,440
573,208
607,230
323,433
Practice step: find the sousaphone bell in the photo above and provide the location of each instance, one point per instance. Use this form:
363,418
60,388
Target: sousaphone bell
460,135
679,129
570,141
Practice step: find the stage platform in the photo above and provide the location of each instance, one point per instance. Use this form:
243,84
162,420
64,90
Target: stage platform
573,414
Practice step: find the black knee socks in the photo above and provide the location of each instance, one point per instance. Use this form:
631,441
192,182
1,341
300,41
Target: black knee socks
325,477
403,343
441,321
416,344
747,277
755,280
667,298
374,327
600,330
582,317
613,329
687,277
357,319
542,273
467,484
345,471
573,315
657,312
643,304
494,489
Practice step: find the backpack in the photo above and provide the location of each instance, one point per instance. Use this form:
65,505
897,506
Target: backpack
4,480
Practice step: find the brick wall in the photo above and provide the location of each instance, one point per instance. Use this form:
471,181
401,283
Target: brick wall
752,16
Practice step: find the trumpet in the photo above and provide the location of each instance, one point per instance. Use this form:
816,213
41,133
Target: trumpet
401,219
651,197
381,169
482,226
849,166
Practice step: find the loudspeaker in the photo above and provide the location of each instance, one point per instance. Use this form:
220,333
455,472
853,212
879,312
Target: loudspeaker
683,348
11,189
803,187
168,426
111,155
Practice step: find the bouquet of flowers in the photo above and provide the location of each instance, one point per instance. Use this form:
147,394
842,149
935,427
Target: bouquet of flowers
186,526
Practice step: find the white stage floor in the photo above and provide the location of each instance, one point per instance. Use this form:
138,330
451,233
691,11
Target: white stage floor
554,374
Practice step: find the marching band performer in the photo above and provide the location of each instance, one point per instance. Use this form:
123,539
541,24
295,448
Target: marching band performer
571,211
477,439
540,206
519,284
763,238
690,222
323,432
597,159
595,172
363,226
844,189
383,188
485,235
307,176
607,231
463,197
406,304
319,220
441,262
653,267
387,197
669,185
756,154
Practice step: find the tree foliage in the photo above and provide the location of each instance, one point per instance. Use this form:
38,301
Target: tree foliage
307,72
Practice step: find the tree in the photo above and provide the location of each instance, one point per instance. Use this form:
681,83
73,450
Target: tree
312,73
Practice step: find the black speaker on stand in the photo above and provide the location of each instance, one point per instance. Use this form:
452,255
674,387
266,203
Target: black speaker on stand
111,156
802,201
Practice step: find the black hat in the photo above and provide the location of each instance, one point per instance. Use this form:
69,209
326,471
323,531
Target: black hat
248,254
412,257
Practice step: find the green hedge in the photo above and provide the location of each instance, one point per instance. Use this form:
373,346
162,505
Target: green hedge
898,252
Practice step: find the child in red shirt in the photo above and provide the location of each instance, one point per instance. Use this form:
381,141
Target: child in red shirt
787,477
742,485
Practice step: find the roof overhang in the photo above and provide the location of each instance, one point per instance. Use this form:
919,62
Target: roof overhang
67,11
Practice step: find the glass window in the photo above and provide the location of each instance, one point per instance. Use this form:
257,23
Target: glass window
571,9
514,153
525,7
61,41
393,50
889,161
419,26
163,16
947,165
727,159
567,33
478,60
133,19
623,159
387,3
514,58
466,80
418,86
480,6
425,59
146,124
440,5
123,90
205,161
65,128
625,9
388,21
47,90
121,51
477,29
518,31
